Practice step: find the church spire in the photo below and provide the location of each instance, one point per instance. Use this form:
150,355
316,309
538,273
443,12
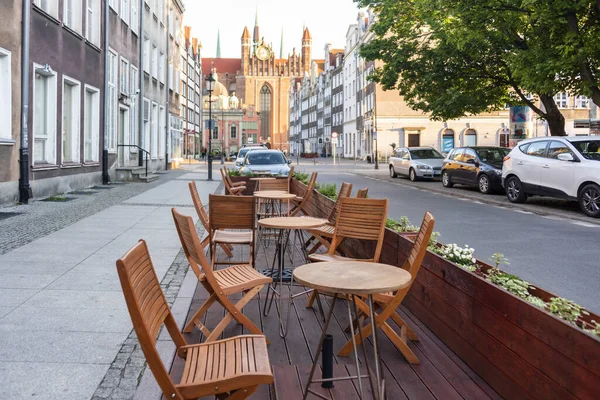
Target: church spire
256,37
281,44
219,43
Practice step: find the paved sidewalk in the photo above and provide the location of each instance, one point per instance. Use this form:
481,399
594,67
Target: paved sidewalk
63,318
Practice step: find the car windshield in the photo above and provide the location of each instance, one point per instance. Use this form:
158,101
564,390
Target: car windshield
425,154
589,149
264,158
492,155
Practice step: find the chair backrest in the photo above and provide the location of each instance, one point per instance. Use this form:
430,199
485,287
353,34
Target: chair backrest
309,192
419,248
200,210
149,311
362,193
225,178
345,191
192,247
231,212
360,219
274,184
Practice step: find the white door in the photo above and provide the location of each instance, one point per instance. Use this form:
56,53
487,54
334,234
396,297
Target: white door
404,162
558,175
528,166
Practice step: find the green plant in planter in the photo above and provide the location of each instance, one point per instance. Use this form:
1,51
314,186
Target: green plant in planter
234,173
402,225
511,283
328,190
595,329
536,301
499,260
302,177
566,309
433,240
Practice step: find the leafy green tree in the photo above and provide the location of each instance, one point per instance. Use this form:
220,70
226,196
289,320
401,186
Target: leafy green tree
452,58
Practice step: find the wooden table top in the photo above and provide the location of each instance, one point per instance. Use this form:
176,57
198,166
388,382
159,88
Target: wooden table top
292,222
274,194
352,277
265,178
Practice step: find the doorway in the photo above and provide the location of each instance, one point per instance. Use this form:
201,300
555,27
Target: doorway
414,140
123,137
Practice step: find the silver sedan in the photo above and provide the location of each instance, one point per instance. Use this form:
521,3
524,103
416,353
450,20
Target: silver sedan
265,162
416,163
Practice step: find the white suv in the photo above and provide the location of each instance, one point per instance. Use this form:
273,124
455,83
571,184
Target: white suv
563,167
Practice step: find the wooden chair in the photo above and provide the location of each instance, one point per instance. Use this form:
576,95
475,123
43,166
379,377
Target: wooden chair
227,213
300,202
358,219
232,183
362,193
274,184
324,234
231,187
389,302
203,216
219,284
210,368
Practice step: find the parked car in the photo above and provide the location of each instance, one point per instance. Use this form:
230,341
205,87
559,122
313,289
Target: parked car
475,166
416,162
242,154
271,162
562,167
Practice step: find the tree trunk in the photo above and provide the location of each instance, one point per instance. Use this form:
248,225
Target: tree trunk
556,121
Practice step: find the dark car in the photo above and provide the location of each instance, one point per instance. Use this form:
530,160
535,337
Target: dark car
475,166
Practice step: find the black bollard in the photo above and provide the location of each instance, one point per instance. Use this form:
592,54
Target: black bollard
327,361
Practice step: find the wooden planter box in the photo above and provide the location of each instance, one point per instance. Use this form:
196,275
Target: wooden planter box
520,350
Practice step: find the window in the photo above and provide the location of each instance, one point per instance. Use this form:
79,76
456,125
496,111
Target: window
135,19
562,100
125,10
5,95
216,132
71,107
112,101
49,6
134,84
582,102
555,148
154,131
146,55
72,14
469,155
146,138
414,140
92,22
154,61
265,112
124,77
190,94
233,132
537,149
113,4
470,137
184,88
161,67
91,127
44,116
162,120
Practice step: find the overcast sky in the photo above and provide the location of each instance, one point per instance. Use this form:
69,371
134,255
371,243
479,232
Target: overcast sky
327,21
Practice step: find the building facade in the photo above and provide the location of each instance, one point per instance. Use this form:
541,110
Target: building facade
176,48
191,98
10,98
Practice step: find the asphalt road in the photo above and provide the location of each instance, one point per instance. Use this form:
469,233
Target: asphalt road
560,254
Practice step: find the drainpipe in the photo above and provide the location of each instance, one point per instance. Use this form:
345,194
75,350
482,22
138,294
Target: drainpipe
168,116
25,192
105,175
141,74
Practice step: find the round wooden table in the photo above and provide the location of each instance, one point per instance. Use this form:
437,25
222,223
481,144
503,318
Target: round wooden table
273,197
348,279
285,226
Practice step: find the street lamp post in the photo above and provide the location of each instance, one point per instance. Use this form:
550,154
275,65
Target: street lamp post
210,82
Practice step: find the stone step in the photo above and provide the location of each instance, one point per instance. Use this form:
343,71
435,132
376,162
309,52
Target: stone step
148,178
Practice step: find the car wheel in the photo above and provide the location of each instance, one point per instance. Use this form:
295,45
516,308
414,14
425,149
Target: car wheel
412,175
589,200
484,184
393,172
446,181
514,190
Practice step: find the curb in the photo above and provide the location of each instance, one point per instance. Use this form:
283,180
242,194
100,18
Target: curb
533,209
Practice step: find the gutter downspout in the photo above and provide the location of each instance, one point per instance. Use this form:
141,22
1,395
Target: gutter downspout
168,116
105,174
25,192
141,98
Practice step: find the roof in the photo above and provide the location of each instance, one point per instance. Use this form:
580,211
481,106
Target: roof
245,34
222,65
306,35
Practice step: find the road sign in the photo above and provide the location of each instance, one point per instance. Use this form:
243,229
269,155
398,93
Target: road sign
209,124
334,135
334,140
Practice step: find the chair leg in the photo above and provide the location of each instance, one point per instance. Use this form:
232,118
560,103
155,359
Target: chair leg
311,299
195,321
403,325
227,249
235,312
241,394
399,343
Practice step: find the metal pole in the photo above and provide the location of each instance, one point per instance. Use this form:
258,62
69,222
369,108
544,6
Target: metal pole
141,97
168,113
105,174
210,128
25,192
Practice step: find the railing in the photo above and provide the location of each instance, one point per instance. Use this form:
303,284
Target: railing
140,153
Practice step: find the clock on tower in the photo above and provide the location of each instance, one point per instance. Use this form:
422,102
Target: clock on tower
263,53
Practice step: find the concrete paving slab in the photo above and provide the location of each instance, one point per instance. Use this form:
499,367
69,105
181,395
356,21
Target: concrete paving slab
67,320
77,299
52,346
15,297
90,277
5,310
49,381
24,281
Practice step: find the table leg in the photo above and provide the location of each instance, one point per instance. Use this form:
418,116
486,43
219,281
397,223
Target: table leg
360,387
319,347
378,370
276,259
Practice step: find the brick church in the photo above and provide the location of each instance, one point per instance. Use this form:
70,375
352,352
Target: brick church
262,80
